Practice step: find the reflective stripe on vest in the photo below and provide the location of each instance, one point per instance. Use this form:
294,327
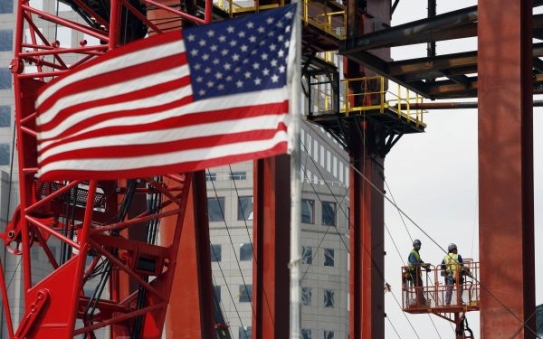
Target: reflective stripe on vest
417,257
451,262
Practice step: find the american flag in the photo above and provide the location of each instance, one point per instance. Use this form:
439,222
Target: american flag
175,102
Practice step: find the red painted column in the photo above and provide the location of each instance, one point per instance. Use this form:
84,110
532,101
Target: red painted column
190,312
506,217
367,314
271,242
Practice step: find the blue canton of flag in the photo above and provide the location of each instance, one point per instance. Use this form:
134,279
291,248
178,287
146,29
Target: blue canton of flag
240,55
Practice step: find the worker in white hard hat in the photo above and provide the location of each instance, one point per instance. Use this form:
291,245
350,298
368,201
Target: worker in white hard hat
452,269
415,265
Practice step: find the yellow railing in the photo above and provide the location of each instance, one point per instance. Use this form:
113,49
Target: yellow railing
232,7
371,94
321,15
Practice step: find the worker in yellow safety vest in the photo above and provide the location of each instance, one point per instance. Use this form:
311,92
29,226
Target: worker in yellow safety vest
415,264
452,268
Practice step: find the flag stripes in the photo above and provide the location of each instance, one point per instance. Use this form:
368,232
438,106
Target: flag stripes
133,113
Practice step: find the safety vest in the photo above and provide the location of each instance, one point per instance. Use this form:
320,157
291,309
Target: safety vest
417,257
451,264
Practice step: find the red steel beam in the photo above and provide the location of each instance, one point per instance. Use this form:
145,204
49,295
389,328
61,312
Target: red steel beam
271,239
367,316
506,217
190,312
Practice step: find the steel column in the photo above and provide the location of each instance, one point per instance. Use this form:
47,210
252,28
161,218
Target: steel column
271,233
190,312
367,316
506,217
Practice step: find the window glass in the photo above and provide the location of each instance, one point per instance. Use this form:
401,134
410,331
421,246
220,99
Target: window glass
306,296
211,176
306,333
308,211
246,252
238,175
217,293
215,208
6,6
328,334
329,298
245,332
5,116
6,39
328,257
307,255
245,293
5,78
5,154
328,213
245,208
216,253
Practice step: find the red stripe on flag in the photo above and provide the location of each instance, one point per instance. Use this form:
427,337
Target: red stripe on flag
192,119
141,150
180,167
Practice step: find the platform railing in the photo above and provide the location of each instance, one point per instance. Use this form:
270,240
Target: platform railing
376,94
431,295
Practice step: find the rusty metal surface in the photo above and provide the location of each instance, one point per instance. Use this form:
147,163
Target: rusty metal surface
451,75
506,212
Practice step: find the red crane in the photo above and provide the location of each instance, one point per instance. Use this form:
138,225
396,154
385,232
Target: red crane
105,266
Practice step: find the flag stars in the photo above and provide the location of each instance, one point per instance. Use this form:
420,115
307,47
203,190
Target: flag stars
234,57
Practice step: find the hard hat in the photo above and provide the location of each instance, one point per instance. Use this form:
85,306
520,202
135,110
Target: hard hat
416,242
452,247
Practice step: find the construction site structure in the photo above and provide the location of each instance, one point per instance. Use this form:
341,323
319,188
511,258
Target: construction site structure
142,238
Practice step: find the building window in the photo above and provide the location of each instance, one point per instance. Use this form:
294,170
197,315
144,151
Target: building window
238,175
5,78
5,116
211,176
307,255
329,298
246,252
245,208
306,296
217,293
215,208
328,334
245,293
245,332
308,211
4,154
328,213
6,40
216,253
328,257
306,333
6,6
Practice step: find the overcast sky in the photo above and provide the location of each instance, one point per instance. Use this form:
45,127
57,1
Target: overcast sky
433,178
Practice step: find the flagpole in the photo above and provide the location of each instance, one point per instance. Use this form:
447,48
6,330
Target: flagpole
295,181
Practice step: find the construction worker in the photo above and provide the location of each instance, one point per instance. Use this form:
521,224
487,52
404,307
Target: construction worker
452,266
415,265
